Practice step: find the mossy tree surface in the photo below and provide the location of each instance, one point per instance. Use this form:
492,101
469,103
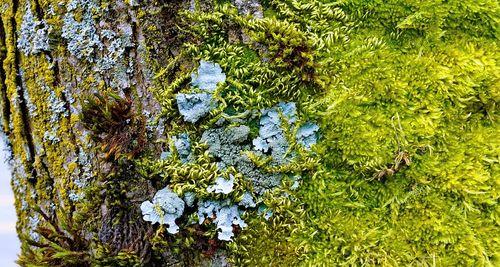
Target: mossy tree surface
405,170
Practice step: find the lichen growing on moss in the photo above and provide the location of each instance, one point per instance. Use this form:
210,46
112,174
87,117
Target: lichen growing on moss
307,134
222,185
183,146
208,75
228,145
340,122
225,217
194,106
165,208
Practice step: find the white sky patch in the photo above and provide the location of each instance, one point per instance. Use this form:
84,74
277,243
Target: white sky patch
9,247
6,201
8,228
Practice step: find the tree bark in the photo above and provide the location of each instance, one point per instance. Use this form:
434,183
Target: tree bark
53,55
343,132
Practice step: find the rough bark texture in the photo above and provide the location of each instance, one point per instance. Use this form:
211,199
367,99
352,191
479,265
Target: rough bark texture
53,156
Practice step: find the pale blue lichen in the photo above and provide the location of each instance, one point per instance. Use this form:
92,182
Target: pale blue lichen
224,216
82,36
115,48
249,7
165,208
189,198
271,135
32,109
85,162
57,107
80,183
222,185
33,222
33,35
307,134
74,196
260,144
192,5
51,136
133,3
247,201
289,110
208,75
296,182
194,106
207,209
183,146
165,155
108,34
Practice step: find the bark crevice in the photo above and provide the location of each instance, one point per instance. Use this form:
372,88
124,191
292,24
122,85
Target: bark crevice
6,112
23,108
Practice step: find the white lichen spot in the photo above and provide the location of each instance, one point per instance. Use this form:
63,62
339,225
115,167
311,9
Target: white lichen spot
33,36
82,36
222,185
209,74
164,209
223,215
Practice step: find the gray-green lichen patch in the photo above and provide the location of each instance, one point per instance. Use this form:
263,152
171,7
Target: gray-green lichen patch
227,145
83,39
33,35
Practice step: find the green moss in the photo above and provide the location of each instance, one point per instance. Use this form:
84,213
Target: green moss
407,107
405,171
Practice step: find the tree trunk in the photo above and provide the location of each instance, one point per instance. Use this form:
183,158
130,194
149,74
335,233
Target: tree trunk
252,133
69,198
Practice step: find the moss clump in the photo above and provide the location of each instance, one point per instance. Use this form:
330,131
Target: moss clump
115,125
404,97
391,159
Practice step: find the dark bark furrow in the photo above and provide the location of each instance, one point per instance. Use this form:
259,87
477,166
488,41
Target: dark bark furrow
5,99
22,100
